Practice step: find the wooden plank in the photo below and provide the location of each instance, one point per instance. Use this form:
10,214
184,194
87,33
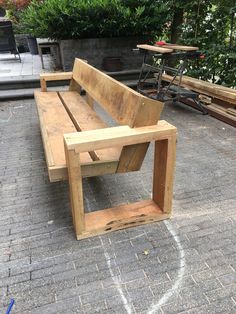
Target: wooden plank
76,190
163,176
89,100
180,47
120,101
221,115
84,119
117,136
92,169
74,86
155,48
231,111
56,76
209,89
132,157
54,122
120,217
43,85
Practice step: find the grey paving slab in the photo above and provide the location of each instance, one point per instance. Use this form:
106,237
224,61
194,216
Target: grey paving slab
30,65
190,266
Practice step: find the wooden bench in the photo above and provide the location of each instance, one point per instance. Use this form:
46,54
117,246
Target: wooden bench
92,148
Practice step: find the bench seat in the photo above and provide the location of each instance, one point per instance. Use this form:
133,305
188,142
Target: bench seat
68,112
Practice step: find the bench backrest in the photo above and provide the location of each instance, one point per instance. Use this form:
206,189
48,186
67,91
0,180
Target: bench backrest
123,104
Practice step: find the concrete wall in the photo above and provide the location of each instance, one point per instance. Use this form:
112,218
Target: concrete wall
95,49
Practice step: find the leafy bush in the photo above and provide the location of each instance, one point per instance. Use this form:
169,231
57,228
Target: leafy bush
207,24
13,9
69,19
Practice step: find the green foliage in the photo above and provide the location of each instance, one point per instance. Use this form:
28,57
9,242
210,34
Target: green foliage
203,23
68,19
207,24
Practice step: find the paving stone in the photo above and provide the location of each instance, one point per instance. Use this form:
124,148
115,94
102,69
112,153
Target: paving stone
228,279
217,294
79,290
94,308
99,295
218,307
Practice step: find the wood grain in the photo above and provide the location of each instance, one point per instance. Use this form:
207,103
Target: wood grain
54,122
206,88
119,101
155,48
120,217
76,190
180,47
163,175
84,119
116,136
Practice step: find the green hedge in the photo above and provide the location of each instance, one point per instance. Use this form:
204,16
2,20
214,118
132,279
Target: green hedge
70,19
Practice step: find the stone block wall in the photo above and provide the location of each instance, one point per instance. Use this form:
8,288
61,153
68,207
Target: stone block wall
95,49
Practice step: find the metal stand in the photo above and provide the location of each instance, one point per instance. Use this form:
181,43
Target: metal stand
152,84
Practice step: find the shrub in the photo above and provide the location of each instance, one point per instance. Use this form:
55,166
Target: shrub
13,9
69,19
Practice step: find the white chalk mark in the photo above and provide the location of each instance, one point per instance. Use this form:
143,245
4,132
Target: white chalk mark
114,278
8,119
156,307
18,107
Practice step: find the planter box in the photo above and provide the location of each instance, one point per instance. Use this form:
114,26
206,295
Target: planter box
21,42
95,49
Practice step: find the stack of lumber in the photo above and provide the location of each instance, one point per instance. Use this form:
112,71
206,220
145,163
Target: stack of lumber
219,101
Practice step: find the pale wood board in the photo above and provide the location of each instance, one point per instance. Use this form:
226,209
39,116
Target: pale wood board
91,169
180,47
163,175
132,157
56,76
74,86
55,122
119,101
209,89
43,85
222,112
84,119
120,217
76,190
231,111
155,48
116,136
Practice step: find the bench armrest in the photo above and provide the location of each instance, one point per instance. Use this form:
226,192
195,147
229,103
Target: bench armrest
117,136
60,76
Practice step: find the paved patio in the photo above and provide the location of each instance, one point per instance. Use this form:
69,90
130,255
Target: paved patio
190,261
29,65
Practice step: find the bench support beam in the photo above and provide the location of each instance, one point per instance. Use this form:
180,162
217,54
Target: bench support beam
124,216
76,190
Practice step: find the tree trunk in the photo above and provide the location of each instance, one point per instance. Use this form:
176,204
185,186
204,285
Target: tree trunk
176,24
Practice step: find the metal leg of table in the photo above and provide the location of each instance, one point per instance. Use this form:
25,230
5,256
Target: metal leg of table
41,56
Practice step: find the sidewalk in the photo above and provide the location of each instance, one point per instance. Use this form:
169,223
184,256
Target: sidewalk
30,65
190,261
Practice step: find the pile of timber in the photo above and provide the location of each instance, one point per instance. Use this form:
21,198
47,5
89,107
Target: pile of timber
219,101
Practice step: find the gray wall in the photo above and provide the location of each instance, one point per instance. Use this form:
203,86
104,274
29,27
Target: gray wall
94,50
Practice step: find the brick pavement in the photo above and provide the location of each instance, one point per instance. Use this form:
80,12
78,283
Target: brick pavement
191,263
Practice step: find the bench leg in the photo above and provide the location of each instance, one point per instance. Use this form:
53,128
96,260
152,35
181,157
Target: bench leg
163,175
76,190
128,215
